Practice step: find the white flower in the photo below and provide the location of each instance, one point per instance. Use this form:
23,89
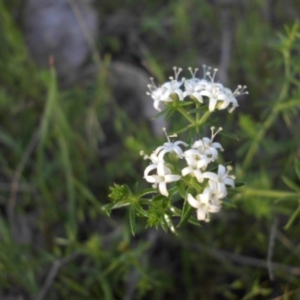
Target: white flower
173,87
162,177
164,93
158,94
218,182
204,203
231,97
196,162
194,86
215,92
170,147
195,159
207,147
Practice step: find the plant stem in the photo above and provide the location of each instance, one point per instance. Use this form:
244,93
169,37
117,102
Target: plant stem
186,115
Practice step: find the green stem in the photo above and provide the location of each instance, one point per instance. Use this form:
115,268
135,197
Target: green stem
197,116
184,129
203,119
186,115
271,119
270,193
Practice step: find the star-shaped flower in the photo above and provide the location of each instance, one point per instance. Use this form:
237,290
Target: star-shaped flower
218,182
204,203
170,147
207,147
163,176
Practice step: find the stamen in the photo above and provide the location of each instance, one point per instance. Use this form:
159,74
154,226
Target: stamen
213,134
145,156
168,136
177,71
193,73
204,71
165,131
240,90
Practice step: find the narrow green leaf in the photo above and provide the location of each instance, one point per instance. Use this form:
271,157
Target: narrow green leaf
132,220
228,134
108,208
181,189
162,113
147,192
292,185
227,201
121,204
185,214
292,218
140,210
239,184
170,223
200,109
297,168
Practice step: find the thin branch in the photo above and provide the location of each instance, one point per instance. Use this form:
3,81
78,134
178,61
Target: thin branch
56,266
17,175
244,260
271,248
85,30
287,243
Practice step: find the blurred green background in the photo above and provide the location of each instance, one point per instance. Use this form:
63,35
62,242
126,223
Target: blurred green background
65,139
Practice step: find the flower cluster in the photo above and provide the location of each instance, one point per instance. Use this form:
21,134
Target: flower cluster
219,96
171,162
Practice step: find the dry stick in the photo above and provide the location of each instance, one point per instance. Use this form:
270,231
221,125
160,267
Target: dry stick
88,37
244,260
287,243
17,175
56,266
271,248
226,40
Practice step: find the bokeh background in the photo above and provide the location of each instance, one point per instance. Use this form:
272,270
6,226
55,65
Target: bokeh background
74,116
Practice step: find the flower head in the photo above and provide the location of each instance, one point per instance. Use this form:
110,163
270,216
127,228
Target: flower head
170,147
207,147
204,203
218,182
163,176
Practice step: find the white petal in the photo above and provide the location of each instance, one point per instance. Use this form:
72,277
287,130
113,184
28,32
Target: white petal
212,104
153,179
192,201
162,169
211,176
205,196
186,171
172,177
201,214
214,208
156,105
206,93
180,94
199,175
228,181
163,189
149,169
221,171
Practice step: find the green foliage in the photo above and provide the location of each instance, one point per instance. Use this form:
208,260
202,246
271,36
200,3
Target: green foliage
54,181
